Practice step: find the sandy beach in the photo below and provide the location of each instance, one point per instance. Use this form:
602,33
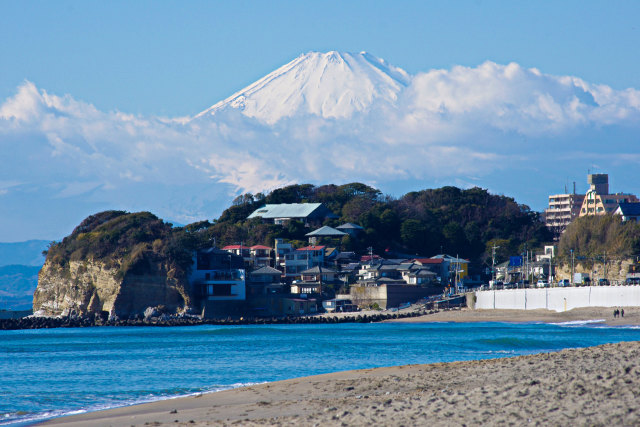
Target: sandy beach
605,314
591,386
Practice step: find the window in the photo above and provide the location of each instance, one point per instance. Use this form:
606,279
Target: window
221,289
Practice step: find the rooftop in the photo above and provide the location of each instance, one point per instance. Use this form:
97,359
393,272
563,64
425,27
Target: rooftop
311,248
629,209
326,231
285,210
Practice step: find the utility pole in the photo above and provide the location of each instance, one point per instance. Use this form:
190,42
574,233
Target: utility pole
493,263
605,265
572,266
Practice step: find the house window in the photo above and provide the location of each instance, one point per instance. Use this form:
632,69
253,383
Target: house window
221,289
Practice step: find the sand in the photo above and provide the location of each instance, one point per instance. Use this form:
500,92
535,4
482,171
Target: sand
631,316
592,386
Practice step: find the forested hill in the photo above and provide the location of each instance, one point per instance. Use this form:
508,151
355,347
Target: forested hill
427,222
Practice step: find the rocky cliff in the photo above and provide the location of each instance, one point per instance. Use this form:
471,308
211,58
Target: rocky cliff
115,262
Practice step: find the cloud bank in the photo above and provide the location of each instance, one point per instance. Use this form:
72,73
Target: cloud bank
498,126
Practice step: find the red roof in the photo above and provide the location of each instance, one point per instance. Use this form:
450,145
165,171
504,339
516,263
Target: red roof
311,248
429,260
260,247
231,247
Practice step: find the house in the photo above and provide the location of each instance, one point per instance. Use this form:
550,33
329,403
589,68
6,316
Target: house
260,255
338,305
319,274
281,213
382,269
454,268
303,259
628,211
217,279
549,253
242,251
437,265
351,229
416,274
281,250
292,306
326,231
265,280
306,288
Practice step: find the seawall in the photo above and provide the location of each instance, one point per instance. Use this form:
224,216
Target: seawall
559,299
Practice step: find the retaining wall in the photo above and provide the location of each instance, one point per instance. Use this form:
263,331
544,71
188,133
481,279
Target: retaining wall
559,299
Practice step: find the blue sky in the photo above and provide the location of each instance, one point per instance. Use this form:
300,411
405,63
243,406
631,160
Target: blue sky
91,93
176,58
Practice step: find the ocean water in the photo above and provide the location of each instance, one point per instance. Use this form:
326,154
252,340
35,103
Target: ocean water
52,372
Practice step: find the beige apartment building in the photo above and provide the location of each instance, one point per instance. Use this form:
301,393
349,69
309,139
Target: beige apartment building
564,208
598,201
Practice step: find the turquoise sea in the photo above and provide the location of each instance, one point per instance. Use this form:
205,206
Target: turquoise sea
51,372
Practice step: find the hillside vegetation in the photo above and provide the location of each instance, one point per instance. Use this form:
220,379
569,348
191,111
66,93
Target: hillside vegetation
427,222
593,237
131,242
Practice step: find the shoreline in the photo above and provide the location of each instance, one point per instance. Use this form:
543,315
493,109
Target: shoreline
413,314
586,315
593,385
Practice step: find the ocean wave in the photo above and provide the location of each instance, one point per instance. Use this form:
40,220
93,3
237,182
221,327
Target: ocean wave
22,418
579,322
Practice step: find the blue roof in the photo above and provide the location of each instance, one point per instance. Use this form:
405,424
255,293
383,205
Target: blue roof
630,209
285,210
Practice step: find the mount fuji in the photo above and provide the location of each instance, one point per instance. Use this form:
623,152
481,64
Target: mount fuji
328,85
322,118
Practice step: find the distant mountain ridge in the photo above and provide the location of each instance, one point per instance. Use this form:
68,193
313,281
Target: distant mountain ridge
329,85
17,284
23,253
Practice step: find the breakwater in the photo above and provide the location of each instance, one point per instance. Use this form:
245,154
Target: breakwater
559,299
84,322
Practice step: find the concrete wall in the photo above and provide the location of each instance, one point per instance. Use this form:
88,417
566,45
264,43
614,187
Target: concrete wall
559,299
390,295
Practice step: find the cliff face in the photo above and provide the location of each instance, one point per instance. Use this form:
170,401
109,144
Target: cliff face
116,262
91,287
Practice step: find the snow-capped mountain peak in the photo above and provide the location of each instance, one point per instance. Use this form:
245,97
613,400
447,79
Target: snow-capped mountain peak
329,85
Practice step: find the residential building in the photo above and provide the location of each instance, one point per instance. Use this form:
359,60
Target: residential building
260,255
563,208
281,213
265,280
326,231
628,211
549,253
350,228
303,259
281,250
598,201
456,269
415,274
242,251
218,276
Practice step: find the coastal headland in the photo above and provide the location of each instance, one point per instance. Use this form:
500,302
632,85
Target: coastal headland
589,386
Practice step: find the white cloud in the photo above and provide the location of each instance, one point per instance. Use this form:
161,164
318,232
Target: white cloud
457,125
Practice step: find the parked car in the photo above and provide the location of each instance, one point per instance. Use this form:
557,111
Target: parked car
542,284
564,283
603,282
